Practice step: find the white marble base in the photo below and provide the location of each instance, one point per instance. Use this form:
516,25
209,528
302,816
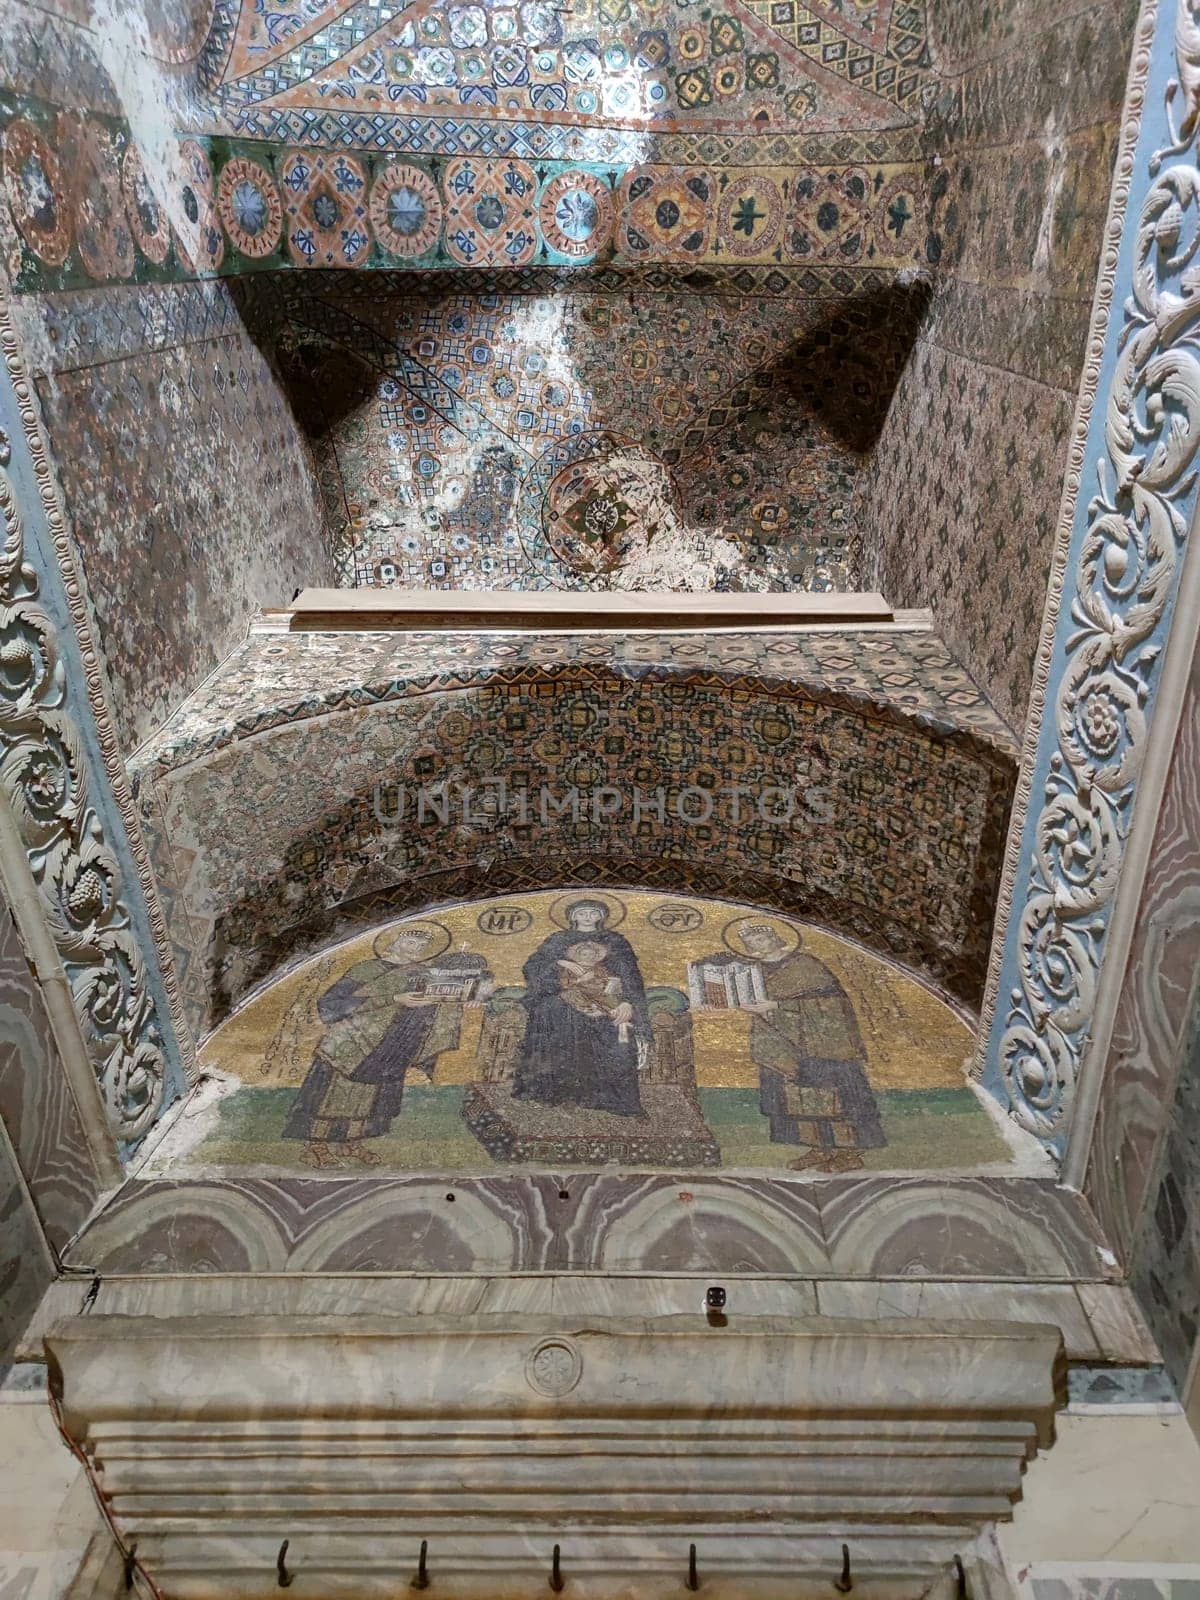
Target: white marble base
767,1443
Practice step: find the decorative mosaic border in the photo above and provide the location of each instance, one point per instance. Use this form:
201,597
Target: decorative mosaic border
45,762
259,207
1102,653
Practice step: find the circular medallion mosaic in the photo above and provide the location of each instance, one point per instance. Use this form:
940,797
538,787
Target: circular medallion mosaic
593,501
102,231
36,195
750,219
325,195
666,213
201,242
576,214
489,213
151,230
249,207
406,211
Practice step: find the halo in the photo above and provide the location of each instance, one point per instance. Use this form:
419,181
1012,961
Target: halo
385,940
731,936
560,907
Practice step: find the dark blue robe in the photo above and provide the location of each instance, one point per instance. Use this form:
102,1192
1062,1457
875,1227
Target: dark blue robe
567,1058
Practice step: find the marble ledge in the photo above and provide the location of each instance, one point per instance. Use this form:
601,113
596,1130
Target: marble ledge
1105,1329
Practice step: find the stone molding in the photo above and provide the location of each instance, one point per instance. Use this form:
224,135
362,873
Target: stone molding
766,1442
63,878
1111,628
19,582
1089,384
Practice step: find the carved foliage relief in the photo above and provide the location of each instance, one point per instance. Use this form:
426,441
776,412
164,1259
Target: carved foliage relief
1124,569
44,775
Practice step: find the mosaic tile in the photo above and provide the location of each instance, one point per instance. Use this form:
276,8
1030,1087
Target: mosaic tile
566,1030
224,525
905,858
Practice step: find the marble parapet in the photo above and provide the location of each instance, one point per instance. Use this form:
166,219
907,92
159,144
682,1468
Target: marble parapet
1114,1360
622,1440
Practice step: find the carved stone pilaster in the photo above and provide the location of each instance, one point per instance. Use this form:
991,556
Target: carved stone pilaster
1100,670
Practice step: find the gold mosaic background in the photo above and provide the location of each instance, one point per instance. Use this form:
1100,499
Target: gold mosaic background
913,1039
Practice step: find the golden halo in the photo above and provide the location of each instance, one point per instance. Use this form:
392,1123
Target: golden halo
731,936
560,907
384,941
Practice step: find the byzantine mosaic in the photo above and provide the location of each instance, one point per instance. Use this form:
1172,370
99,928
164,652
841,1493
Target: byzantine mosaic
478,135
272,829
273,679
596,1026
962,491
609,432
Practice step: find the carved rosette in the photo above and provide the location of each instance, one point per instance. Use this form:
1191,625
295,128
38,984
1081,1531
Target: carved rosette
44,779
1125,579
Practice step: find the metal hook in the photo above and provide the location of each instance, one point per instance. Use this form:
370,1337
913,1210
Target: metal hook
961,1593
282,1574
556,1577
421,1577
844,1584
130,1559
693,1582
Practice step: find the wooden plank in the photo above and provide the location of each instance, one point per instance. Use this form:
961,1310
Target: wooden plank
492,610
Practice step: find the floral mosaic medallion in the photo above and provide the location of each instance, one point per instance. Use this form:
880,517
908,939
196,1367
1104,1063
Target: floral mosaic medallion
490,212
576,214
750,217
656,1030
406,211
102,232
599,510
249,207
896,218
325,196
830,216
666,214
36,195
201,241
151,230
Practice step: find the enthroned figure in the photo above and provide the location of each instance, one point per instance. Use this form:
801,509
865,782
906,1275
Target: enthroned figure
383,1017
805,1041
587,1020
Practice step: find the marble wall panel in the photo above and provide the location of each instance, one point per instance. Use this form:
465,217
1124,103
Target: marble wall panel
1166,1254
996,1229
26,1268
1157,1001
36,1104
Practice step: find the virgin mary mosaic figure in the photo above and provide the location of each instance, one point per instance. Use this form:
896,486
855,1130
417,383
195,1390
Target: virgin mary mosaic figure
588,1026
